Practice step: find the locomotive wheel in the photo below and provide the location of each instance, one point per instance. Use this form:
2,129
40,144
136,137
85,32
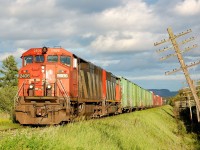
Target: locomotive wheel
81,109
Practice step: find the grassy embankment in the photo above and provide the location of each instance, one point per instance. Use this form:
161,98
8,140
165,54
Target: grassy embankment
150,129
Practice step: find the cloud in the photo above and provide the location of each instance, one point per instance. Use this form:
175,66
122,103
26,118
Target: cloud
105,62
164,77
133,15
89,6
123,42
125,28
35,20
116,35
188,7
16,54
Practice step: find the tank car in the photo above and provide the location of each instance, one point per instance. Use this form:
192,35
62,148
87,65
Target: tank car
56,86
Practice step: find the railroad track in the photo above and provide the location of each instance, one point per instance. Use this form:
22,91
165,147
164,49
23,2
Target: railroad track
9,129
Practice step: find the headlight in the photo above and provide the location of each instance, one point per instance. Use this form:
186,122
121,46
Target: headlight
31,86
49,86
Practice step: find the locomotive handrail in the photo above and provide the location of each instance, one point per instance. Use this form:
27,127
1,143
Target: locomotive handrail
17,94
68,99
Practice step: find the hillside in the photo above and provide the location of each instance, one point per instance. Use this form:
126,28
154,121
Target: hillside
149,129
164,92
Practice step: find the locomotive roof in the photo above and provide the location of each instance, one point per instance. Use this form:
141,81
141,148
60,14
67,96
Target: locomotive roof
53,51
57,51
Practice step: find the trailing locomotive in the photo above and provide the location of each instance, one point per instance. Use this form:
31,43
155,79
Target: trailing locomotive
56,86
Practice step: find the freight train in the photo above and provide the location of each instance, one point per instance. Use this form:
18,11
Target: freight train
56,86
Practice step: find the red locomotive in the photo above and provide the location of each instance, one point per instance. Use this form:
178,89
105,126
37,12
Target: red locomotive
56,86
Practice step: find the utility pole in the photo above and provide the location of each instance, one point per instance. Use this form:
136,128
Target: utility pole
188,98
187,95
178,54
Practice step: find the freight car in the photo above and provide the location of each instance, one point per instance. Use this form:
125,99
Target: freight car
134,96
157,100
56,86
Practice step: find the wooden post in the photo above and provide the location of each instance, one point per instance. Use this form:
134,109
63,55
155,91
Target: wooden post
188,97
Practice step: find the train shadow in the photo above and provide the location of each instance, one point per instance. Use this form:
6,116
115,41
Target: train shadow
192,126
168,113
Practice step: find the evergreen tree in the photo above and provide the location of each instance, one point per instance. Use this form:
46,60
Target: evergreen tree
9,72
7,95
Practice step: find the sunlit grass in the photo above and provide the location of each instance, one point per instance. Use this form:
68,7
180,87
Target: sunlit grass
6,122
148,129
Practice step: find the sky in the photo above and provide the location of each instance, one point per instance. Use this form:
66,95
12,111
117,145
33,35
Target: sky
117,35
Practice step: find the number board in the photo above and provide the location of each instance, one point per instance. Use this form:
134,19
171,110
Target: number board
24,76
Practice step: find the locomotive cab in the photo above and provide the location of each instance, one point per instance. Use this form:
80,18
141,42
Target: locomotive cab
41,70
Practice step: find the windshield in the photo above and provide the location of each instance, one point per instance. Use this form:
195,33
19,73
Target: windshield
52,58
28,60
65,60
39,58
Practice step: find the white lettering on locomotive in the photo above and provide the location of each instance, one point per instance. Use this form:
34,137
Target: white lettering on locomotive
37,50
56,50
24,75
62,75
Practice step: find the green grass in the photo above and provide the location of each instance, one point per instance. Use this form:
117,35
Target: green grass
6,123
152,129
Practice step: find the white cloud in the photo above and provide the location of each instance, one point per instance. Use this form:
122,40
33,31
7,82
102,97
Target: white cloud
188,7
16,54
116,35
164,77
123,42
29,43
125,28
105,62
133,15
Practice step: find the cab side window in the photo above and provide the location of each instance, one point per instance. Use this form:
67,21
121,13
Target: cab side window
28,60
52,58
39,58
65,60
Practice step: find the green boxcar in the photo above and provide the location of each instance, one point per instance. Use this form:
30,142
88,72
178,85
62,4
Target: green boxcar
134,95
123,83
143,97
139,96
147,98
129,93
134,100
151,97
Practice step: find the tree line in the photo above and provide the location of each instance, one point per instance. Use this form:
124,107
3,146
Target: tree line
8,83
